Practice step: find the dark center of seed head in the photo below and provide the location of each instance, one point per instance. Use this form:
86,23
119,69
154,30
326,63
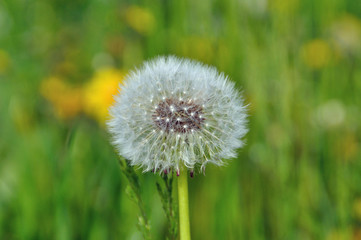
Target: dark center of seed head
178,116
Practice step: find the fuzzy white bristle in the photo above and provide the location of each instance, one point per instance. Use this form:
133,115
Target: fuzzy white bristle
194,109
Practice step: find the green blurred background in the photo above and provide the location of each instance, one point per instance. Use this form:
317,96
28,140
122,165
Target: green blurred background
298,63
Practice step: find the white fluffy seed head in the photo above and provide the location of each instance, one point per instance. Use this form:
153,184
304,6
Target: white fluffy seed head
196,116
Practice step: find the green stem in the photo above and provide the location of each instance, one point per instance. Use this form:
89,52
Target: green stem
184,225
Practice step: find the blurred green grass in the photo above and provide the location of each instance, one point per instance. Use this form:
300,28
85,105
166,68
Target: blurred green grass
298,63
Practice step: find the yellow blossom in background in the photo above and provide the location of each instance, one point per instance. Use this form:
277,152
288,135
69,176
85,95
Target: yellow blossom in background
21,114
346,35
196,47
284,7
99,92
316,53
140,19
4,61
347,149
357,208
65,99
357,234
338,234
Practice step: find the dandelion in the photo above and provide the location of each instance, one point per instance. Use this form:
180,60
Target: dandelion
176,112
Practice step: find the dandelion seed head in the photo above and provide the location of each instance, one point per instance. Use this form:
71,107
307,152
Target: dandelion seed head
195,116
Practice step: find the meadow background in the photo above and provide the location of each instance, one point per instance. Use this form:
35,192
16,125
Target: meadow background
297,62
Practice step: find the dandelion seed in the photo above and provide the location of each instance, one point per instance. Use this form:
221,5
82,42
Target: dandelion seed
181,116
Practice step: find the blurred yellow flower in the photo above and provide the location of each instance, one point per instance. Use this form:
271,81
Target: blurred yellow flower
4,61
346,35
21,114
196,47
284,7
357,234
338,235
99,92
316,53
347,149
140,19
357,208
66,99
